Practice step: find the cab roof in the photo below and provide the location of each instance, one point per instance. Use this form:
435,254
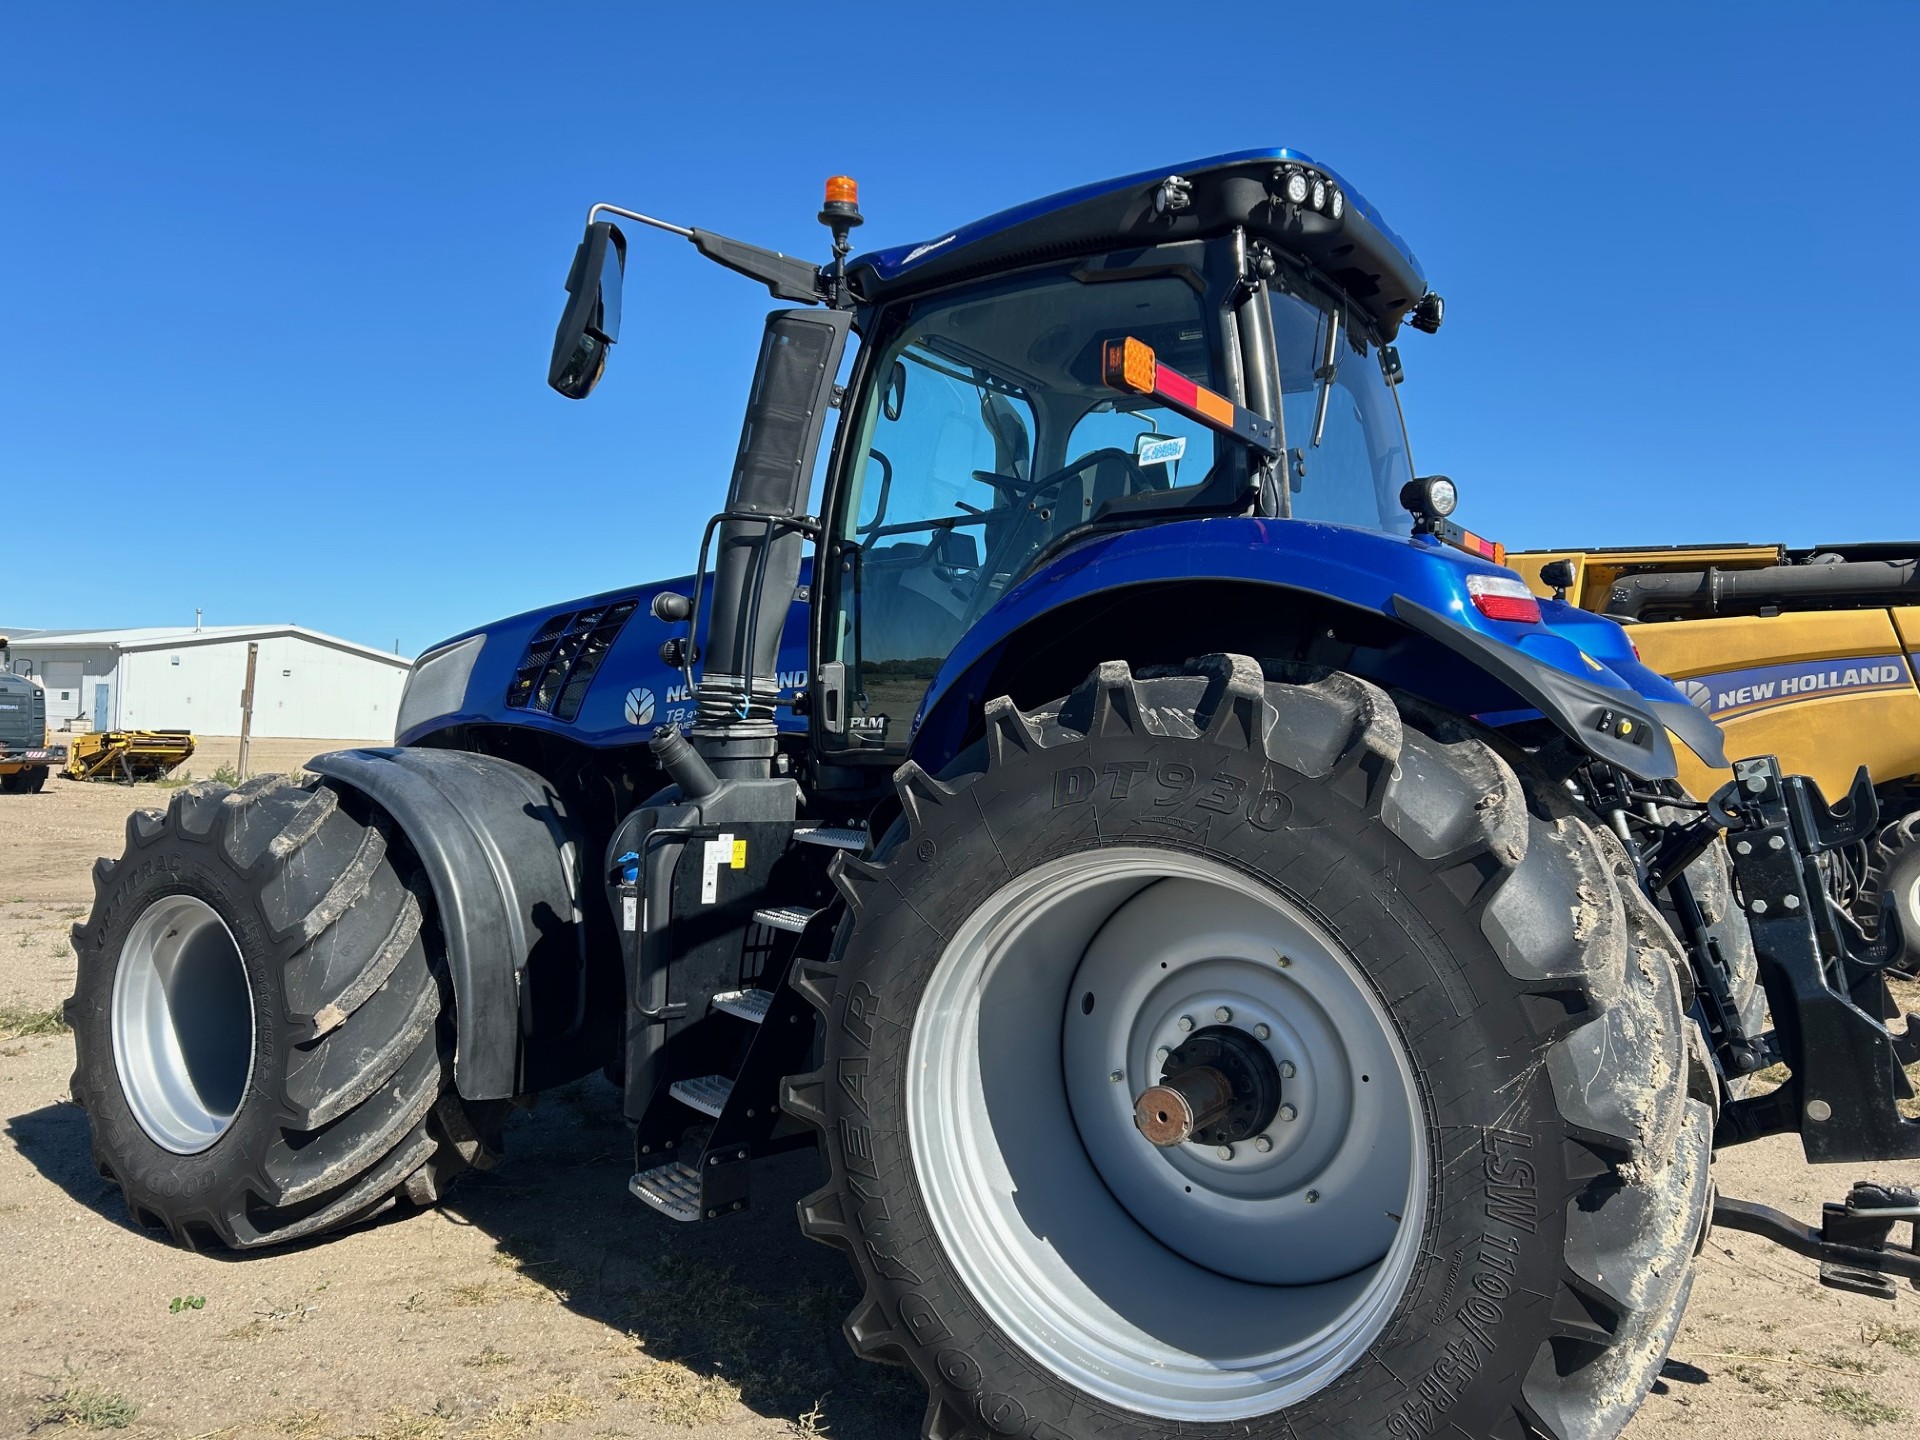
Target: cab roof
1359,252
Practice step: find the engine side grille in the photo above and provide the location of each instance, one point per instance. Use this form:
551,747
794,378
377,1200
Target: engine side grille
563,657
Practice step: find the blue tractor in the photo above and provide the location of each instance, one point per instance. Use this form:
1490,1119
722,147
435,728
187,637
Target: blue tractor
1243,958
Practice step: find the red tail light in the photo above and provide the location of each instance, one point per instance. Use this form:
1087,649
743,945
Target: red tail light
1503,597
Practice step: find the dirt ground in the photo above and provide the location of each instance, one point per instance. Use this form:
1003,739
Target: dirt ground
543,1301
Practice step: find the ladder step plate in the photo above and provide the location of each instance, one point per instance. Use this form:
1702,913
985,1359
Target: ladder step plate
747,1004
786,917
673,1189
840,837
708,1094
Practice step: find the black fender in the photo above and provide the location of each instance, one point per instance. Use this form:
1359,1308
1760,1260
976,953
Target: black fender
1620,727
503,859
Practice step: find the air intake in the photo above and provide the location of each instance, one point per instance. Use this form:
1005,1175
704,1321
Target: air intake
563,657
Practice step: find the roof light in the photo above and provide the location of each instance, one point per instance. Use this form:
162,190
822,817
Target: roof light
1297,187
1431,497
1319,193
1503,597
1336,203
843,190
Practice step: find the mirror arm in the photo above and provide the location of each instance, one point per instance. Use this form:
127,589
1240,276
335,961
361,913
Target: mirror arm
785,277
595,213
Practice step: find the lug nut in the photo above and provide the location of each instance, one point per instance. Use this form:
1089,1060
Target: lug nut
1743,847
1161,1054
1185,1022
1284,962
1222,1014
1263,1032
1313,1197
1225,1152
1288,1070
1775,842
1263,1143
1117,1076
1287,1112
1792,902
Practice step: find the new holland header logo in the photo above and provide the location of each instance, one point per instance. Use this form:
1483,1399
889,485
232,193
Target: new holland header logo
1764,687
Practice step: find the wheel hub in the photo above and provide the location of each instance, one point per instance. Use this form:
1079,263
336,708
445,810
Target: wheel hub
1218,1087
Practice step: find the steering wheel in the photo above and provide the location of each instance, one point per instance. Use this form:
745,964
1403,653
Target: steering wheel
1018,492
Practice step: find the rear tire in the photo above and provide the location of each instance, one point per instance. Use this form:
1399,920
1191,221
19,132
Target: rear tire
262,1021
1519,974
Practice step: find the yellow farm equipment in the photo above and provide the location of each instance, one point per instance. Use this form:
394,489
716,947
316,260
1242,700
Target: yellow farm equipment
1810,655
127,755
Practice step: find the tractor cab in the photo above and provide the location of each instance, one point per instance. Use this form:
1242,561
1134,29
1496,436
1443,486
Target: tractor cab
992,424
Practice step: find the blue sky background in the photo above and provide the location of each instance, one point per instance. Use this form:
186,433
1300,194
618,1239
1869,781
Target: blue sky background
277,283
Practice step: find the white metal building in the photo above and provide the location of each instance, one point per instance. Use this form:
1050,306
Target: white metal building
306,684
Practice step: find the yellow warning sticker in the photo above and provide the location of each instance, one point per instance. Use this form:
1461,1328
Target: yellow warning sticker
739,855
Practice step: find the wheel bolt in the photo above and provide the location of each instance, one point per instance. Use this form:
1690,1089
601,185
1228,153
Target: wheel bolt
1313,1197
1285,962
1263,1032
1222,1014
1262,1143
1161,1054
1225,1152
1185,1022
1287,1112
1117,1076
1287,1070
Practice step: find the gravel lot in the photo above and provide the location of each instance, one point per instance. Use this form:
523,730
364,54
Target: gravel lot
543,1301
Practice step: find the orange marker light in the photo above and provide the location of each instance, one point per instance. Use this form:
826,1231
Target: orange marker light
843,190
1129,365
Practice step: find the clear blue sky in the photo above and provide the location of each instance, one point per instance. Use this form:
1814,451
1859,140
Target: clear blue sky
277,282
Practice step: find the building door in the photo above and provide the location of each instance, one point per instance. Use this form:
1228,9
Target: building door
100,690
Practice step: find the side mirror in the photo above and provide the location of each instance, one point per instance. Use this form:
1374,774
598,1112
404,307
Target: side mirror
591,321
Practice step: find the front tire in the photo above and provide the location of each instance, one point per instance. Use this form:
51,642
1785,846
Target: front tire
1490,1079
261,1021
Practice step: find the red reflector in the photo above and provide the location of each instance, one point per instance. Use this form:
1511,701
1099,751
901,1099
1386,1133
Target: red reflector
1508,607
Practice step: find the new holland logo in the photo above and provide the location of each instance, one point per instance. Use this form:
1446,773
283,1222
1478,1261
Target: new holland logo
1764,687
639,709
1700,694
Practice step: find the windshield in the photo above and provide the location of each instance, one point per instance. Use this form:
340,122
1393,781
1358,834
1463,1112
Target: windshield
986,431
1339,397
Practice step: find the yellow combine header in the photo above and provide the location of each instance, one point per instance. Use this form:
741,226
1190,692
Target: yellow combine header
127,755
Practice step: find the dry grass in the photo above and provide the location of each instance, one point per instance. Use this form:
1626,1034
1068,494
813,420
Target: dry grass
1901,1339
1862,1407
675,1395
300,1424
523,1417
85,1407
398,1424
20,1022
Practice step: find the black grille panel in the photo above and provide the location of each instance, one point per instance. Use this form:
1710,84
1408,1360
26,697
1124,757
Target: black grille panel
563,657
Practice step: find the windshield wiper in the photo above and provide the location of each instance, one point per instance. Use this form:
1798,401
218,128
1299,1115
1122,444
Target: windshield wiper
1329,368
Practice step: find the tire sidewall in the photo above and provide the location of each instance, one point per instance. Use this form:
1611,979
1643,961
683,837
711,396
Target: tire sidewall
1475,1311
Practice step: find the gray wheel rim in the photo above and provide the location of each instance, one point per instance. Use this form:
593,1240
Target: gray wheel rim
1177,1283
183,1025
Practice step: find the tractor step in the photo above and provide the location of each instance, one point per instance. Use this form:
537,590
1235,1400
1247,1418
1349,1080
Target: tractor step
790,918
751,1005
839,837
673,1189
708,1094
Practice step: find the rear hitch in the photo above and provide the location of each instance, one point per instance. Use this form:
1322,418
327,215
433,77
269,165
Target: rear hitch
1824,980
1854,1242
